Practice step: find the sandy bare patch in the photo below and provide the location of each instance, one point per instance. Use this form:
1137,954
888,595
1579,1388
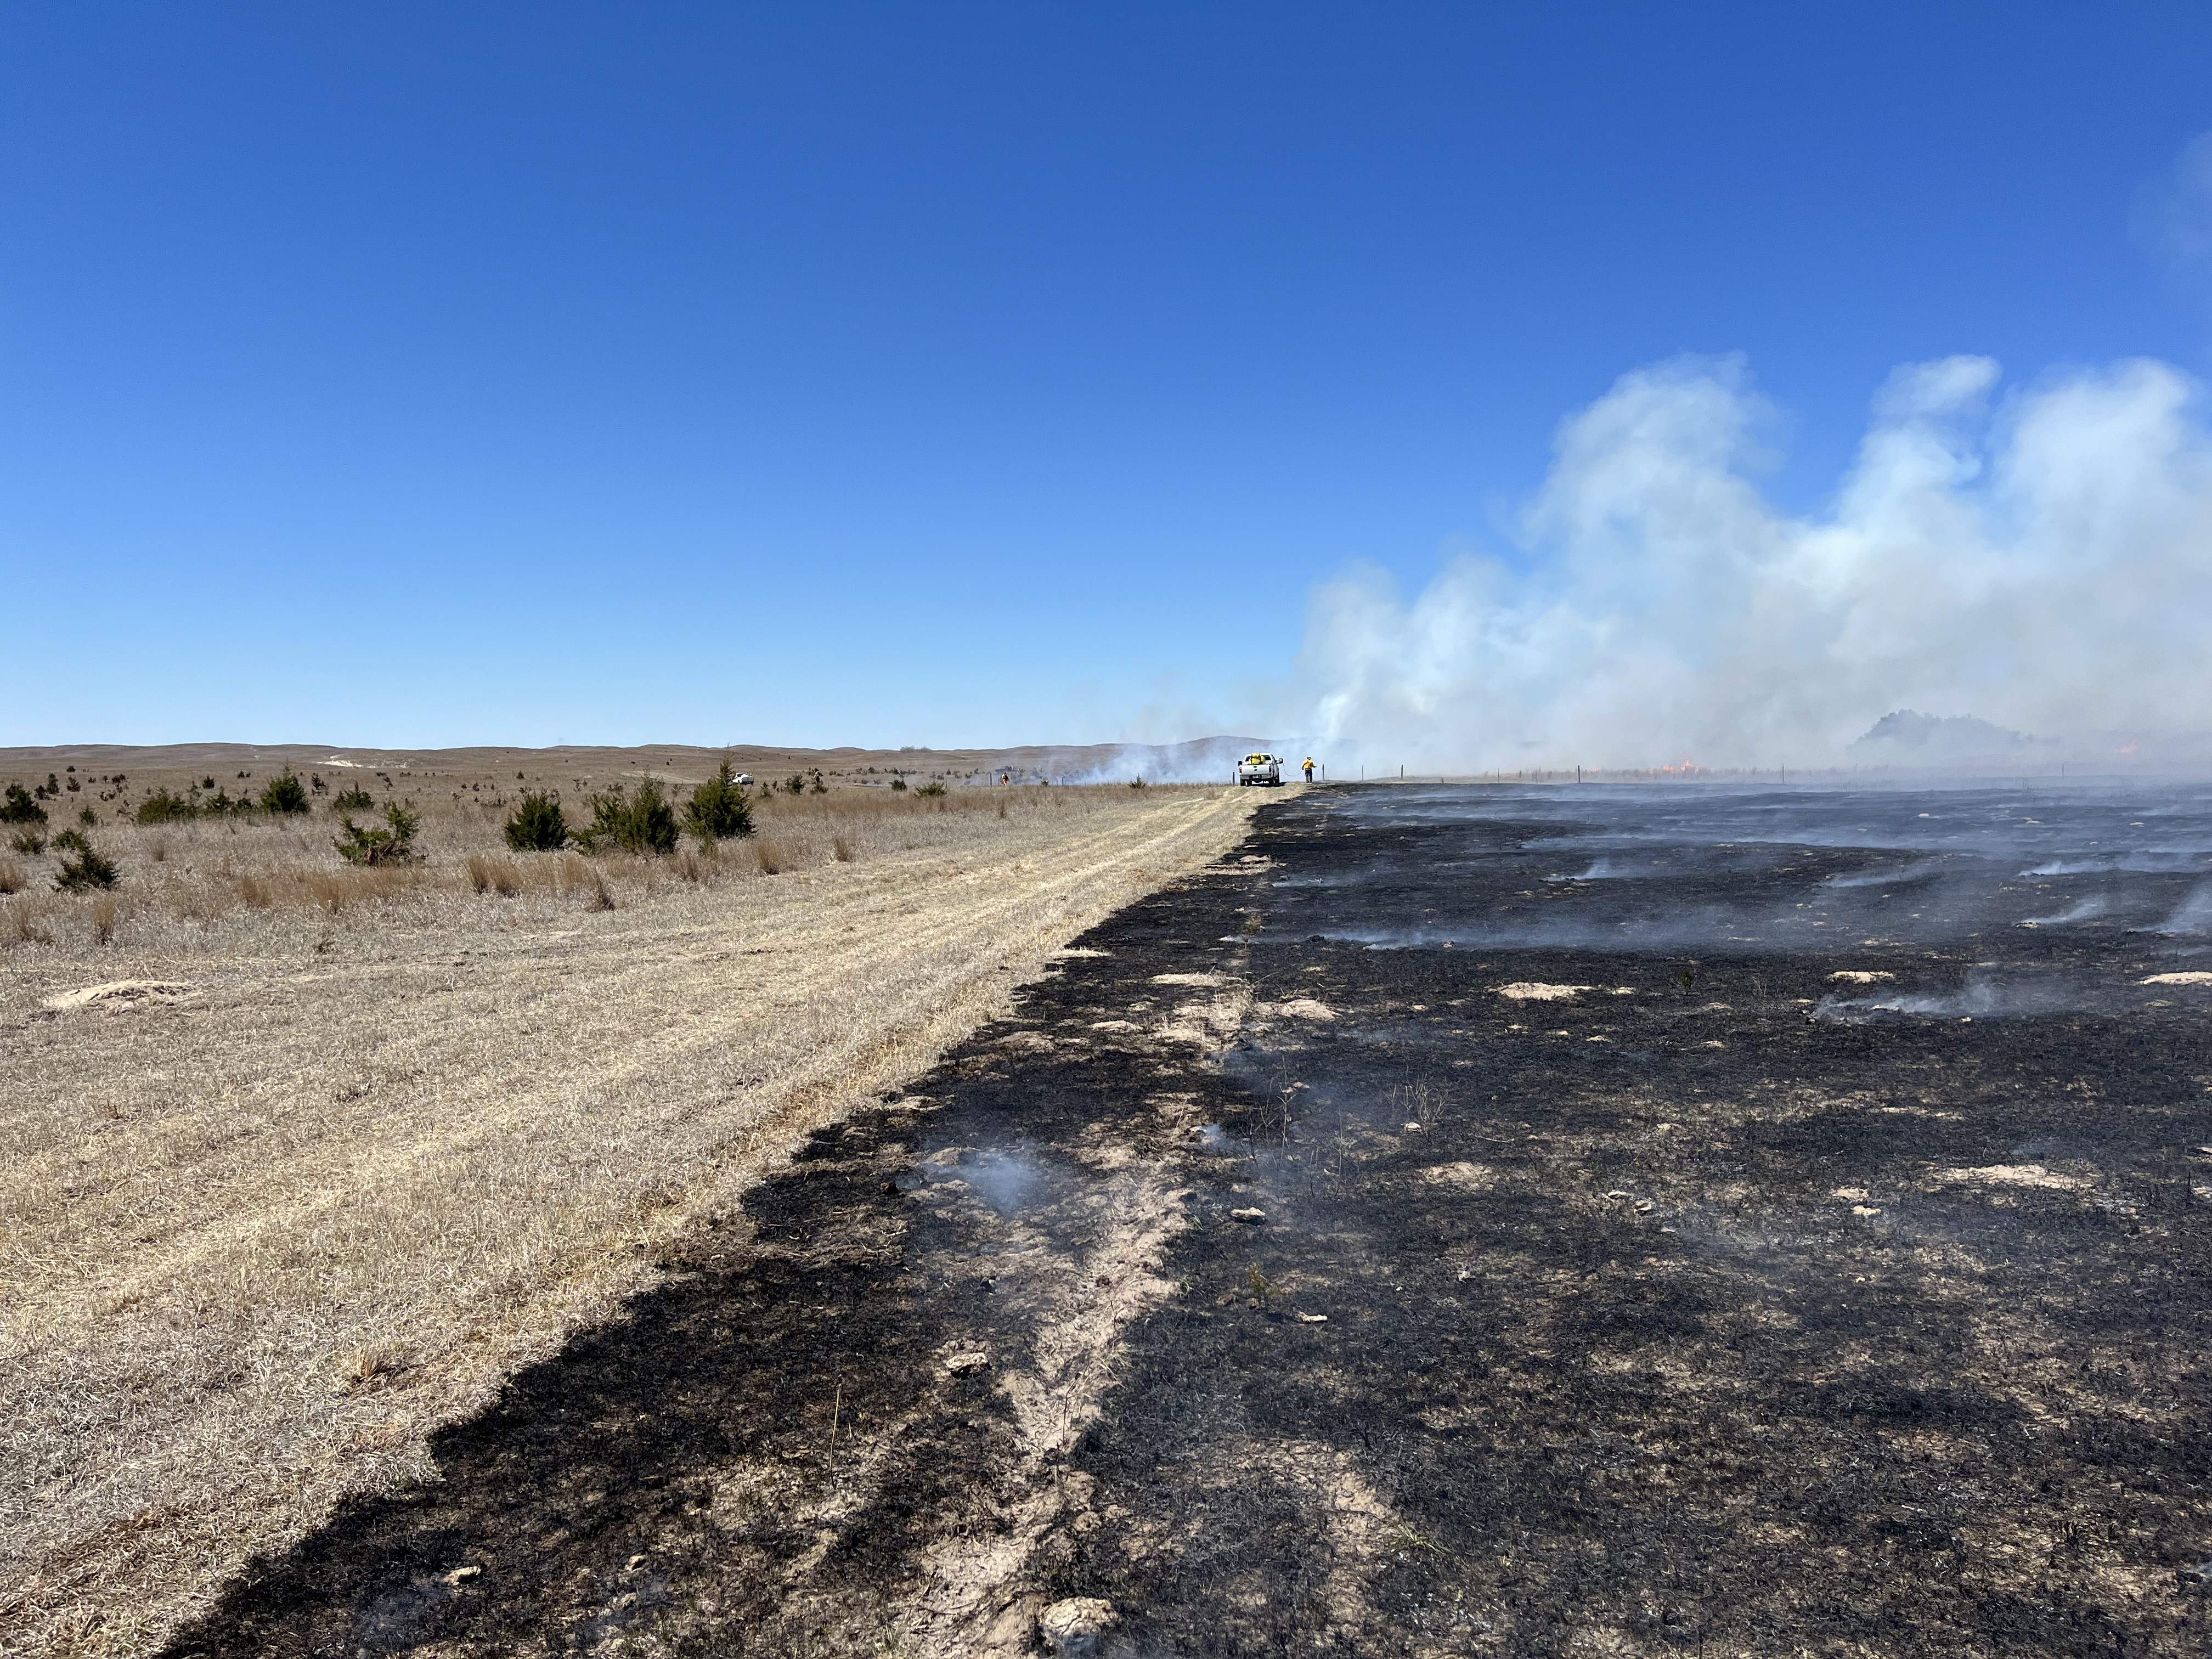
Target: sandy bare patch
1186,979
2192,978
1530,990
2011,1174
1861,975
119,993
1305,1008
1473,1177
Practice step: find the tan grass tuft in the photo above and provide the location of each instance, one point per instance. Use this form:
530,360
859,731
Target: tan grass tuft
842,846
24,923
771,857
491,874
103,918
11,876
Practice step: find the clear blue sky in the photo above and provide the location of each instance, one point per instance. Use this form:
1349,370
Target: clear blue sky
946,373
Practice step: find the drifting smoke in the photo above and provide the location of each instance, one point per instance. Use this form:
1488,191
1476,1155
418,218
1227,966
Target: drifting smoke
2046,569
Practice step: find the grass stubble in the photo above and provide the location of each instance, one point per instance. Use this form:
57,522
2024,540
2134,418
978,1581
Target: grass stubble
382,1136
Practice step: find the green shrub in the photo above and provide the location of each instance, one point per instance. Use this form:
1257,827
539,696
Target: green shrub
393,844
718,809
537,826
898,786
796,784
164,807
28,842
20,808
87,818
933,790
642,822
355,799
284,794
83,865
820,787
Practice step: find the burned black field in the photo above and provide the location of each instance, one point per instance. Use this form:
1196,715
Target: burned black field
1669,1222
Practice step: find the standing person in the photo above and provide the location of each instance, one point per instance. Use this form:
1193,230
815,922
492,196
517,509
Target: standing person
1308,768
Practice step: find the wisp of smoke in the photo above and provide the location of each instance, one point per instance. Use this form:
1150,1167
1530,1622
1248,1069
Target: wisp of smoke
2046,566
2192,915
2086,909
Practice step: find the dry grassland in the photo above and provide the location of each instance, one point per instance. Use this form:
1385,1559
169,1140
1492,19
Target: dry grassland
362,1141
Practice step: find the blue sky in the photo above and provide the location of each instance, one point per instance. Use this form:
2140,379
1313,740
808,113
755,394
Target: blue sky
960,373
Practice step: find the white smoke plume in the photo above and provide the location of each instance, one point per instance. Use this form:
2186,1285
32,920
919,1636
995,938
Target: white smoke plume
2044,565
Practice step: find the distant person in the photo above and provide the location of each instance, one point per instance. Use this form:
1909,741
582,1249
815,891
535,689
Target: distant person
1308,768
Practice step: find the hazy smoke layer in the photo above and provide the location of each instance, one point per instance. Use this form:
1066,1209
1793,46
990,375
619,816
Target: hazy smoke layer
2047,567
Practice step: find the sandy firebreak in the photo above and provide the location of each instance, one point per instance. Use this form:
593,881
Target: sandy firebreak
283,1199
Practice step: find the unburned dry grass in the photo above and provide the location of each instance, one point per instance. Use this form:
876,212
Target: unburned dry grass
364,1140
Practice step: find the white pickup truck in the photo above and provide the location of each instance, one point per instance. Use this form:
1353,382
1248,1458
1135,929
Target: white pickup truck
1260,768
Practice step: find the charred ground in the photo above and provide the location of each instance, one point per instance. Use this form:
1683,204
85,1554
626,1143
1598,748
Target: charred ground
1701,1308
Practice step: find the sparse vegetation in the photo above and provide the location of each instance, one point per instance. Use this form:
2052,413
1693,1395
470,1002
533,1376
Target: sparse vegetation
28,842
11,876
536,825
718,810
284,794
392,844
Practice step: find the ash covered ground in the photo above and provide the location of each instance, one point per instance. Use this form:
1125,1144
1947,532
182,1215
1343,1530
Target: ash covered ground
1465,1220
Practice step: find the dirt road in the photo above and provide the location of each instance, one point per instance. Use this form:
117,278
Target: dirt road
325,1187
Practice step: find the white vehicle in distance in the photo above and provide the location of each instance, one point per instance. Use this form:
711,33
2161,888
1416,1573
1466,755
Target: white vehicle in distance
743,779
1260,768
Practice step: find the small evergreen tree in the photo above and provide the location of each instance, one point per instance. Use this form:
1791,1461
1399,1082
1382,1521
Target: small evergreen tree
164,807
536,825
355,799
284,794
642,822
20,808
718,809
82,865
392,844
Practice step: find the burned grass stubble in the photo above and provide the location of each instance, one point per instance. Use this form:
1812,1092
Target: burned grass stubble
1683,1340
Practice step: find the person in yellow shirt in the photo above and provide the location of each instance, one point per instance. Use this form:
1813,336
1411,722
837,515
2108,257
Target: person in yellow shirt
1308,768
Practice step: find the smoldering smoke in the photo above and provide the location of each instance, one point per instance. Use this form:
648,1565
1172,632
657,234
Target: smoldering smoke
2041,561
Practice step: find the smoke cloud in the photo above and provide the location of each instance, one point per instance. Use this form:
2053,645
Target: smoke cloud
2042,561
